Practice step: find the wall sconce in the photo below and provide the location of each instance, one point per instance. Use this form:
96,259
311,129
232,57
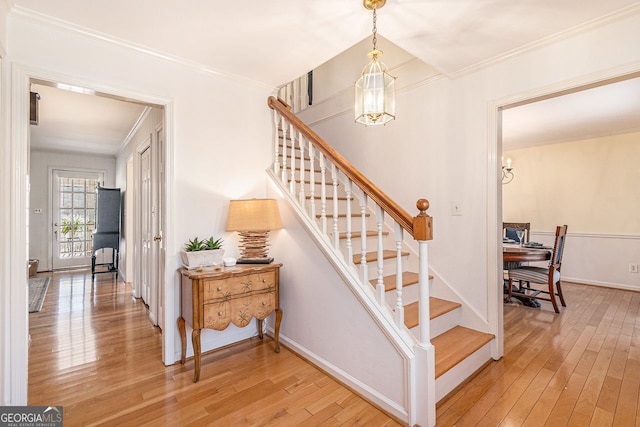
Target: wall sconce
507,172
253,219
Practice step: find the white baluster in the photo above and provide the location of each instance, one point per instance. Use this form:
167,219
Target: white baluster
276,143
302,169
348,184
292,172
334,181
423,282
399,309
363,242
284,126
323,194
380,288
312,179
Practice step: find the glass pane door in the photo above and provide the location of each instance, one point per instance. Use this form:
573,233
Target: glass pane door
74,202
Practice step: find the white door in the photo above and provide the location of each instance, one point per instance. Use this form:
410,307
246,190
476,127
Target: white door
158,228
73,216
145,225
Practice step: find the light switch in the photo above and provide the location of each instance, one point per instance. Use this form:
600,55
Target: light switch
456,209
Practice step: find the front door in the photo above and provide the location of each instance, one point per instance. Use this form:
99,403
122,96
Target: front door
74,202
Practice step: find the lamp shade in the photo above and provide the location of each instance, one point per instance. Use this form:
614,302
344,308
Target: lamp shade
253,215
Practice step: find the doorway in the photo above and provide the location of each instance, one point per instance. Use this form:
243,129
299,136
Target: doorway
18,223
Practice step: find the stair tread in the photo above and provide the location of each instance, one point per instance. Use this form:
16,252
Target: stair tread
455,345
373,256
342,215
408,278
437,307
357,235
327,198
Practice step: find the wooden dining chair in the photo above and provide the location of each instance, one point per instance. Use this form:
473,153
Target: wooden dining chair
550,276
510,228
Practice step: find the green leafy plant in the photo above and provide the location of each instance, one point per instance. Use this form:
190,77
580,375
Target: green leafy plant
69,225
210,243
194,245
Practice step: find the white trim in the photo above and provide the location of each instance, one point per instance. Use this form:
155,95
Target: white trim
361,388
135,127
591,235
51,21
580,281
538,44
15,366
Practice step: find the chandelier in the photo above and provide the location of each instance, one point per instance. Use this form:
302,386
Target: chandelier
507,172
375,89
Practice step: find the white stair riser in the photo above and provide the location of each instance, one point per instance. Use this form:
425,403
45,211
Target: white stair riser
388,265
463,370
441,324
409,294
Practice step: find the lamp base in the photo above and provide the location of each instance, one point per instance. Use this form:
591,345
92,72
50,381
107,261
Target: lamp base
254,261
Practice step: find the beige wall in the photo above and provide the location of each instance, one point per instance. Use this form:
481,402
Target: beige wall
590,185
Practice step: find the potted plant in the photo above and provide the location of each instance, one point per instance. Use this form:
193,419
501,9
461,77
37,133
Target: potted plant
202,253
69,226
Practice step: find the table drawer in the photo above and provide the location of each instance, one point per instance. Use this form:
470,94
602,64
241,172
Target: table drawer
239,311
223,290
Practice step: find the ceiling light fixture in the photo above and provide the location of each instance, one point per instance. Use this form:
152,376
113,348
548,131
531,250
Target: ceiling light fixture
375,89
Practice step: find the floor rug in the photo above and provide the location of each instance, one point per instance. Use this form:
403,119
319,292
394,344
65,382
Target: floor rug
37,291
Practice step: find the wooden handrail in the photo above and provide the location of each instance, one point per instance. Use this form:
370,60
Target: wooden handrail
394,210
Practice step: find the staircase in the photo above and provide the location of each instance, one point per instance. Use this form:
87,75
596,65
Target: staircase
368,233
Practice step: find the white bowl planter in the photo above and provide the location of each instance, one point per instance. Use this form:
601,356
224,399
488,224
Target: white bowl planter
206,258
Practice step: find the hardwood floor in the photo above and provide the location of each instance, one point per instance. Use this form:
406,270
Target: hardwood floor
577,368
94,351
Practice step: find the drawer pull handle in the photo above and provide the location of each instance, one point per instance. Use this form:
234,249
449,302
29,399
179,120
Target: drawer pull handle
264,303
264,280
220,313
219,288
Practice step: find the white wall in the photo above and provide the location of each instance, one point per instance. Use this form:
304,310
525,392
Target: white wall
592,186
438,147
214,156
42,162
5,395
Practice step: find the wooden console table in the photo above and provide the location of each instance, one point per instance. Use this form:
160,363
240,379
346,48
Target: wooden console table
213,297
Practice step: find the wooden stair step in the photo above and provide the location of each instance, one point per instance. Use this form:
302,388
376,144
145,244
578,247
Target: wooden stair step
358,235
341,215
316,183
437,307
408,278
373,256
328,198
455,345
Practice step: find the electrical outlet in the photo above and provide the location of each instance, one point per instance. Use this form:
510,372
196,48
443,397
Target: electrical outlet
37,211
633,268
456,209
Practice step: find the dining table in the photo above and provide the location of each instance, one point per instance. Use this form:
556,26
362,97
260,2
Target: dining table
518,253
514,254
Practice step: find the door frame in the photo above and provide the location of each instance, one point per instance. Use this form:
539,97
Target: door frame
15,364
494,181
51,252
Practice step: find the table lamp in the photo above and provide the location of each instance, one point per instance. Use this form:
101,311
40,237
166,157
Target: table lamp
253,219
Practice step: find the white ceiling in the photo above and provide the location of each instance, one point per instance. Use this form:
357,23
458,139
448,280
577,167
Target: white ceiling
274,42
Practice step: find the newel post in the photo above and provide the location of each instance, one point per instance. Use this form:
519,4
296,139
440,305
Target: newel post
425,408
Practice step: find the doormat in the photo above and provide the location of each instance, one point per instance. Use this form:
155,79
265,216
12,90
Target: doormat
37,291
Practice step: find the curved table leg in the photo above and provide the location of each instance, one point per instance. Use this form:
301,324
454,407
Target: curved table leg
260,325
195,337
276,330
183,339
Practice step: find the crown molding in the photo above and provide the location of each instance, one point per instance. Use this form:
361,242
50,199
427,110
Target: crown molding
61,24
549,40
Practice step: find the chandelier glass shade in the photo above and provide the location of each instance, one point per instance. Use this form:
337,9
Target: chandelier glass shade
375,99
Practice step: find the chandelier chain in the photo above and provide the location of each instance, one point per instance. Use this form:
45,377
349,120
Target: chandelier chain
375,30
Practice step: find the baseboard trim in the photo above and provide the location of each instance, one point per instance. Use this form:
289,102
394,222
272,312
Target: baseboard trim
623,287
372,396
